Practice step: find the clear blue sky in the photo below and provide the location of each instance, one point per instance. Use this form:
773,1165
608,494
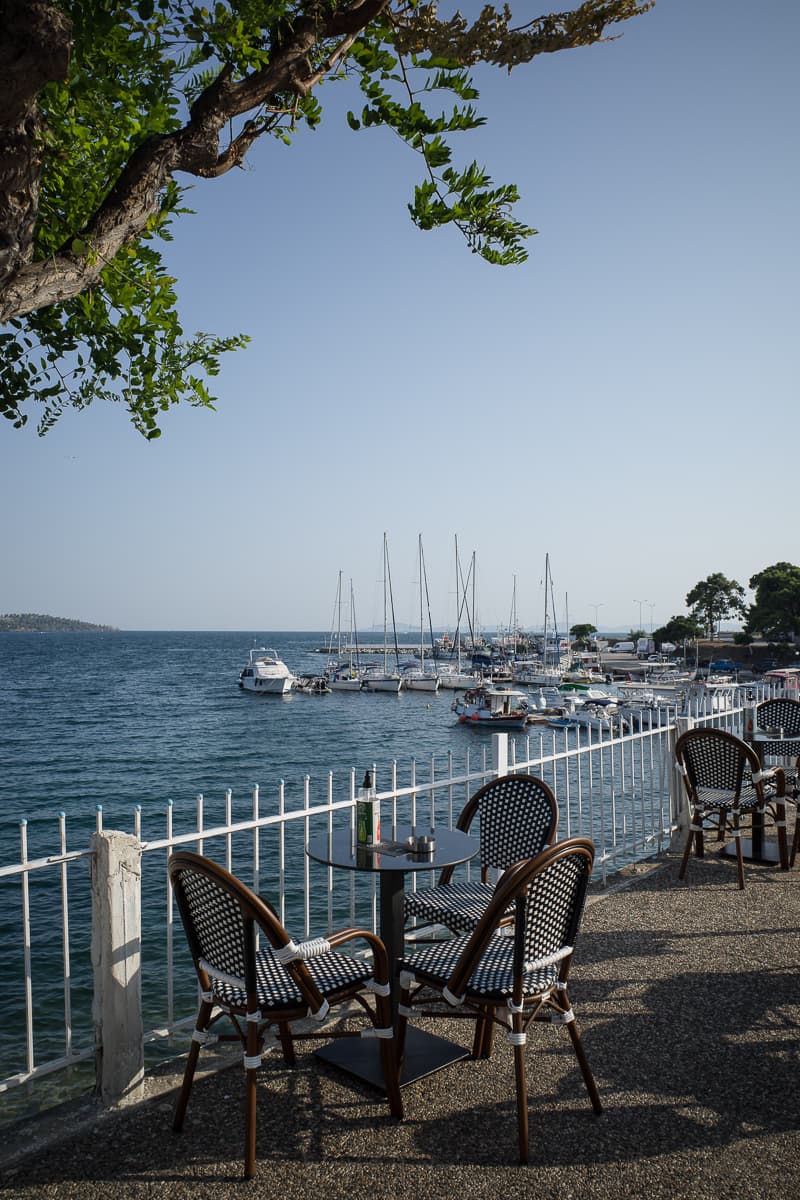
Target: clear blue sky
627,400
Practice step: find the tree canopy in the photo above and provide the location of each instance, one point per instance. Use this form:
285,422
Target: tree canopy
106,106
775,612
678,629
714,599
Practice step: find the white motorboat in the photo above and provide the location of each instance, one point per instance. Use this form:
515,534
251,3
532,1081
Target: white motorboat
265,673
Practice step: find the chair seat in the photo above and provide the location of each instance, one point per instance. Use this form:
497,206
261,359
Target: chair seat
459,906
493,977
717,798
277,990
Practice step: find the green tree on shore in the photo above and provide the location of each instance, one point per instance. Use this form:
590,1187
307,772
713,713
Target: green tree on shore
714,600
105,106
582,633
775,612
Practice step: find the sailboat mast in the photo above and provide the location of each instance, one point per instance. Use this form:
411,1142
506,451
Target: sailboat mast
421,645
385,659
546,573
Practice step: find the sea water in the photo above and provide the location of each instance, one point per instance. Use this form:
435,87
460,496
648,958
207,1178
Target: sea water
121,720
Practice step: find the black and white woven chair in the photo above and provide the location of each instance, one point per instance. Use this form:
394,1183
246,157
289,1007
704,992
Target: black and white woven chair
271,984
518,817
783,714
725,783
510,982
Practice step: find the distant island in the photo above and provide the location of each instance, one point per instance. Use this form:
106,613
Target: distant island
41,623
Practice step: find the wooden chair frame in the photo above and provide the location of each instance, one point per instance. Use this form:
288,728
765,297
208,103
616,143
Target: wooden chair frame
783,712
530,991
723,778
243,995
503,792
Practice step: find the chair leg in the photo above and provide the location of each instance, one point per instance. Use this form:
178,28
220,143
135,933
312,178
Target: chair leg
252,1053
482,1041
737,837
695,819
583,1063
390,1058
780,822
201,1025
287,1043
521,1086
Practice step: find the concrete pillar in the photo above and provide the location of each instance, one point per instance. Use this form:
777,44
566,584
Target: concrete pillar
500,754
116,963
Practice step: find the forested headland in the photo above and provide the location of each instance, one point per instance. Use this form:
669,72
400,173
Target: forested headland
42,623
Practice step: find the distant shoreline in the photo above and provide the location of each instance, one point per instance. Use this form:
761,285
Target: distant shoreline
42,623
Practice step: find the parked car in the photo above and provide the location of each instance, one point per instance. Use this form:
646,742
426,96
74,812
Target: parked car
726,665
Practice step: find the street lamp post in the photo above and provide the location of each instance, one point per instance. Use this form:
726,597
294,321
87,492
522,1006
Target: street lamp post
640,603
595,607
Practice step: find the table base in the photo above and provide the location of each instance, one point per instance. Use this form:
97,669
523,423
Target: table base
361,1057
767,853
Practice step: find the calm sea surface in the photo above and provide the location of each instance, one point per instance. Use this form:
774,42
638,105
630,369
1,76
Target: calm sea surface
128,719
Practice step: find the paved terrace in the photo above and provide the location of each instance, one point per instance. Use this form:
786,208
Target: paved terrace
688,998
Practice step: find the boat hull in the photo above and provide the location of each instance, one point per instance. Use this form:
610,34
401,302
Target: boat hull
269,686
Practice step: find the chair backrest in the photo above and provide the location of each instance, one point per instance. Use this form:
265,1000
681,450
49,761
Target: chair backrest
548,892
713,758
518,818
221,917
780,713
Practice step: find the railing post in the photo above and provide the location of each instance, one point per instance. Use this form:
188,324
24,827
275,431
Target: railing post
116,964
500,754
678,805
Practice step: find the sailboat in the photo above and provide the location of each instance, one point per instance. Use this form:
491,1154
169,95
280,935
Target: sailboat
342,674
375,679
415,676
451,674
546,675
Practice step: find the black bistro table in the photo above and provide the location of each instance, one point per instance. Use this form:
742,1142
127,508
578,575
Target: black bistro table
392,859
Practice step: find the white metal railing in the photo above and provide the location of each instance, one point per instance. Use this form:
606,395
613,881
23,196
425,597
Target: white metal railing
617,790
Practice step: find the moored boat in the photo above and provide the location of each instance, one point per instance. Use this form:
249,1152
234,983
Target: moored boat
265,673
495,707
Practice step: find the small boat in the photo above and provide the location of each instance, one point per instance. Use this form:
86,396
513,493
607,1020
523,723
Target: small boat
492,707
313,685
264,672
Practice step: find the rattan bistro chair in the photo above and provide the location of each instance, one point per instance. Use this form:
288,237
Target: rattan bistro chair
725,783
512,982
518,817
272,984
783,713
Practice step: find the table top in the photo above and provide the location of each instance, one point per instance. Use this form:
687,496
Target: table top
339,849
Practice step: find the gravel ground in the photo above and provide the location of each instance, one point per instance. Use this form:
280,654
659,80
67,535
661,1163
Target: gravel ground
687,997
